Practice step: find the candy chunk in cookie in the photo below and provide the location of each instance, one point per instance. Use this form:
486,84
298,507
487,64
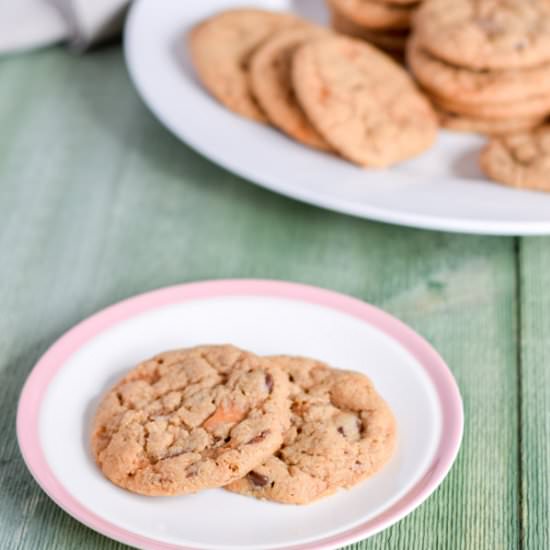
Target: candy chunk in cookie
190,419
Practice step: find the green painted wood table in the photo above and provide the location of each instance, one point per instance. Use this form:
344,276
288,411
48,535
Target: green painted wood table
98,202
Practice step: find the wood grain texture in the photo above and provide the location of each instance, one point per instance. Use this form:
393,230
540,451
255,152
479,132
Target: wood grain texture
535,393
98,202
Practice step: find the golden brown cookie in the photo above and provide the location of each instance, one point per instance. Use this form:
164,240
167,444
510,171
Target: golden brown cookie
532,107
190,419
520,160
471,86
341,433
387,40
362,102
486,34
271,81
488,126
374,14
221,47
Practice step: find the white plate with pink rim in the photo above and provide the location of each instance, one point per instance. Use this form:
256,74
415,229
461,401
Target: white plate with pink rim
443,189
267,317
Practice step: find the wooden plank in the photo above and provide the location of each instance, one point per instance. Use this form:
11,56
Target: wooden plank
460,295
98,202
535,392
53,206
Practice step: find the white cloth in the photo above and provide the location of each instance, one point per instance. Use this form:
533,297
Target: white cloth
28,24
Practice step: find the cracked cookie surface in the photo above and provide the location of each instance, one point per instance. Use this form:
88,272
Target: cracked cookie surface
190,419
364,104
520,160
221,48
341,433
486,34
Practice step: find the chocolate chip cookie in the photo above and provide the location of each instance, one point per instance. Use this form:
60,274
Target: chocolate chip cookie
534,106
375,14
221,48
489,126
364,104
393,41
341,433
520,160
271,81
486,34
476,86
191,419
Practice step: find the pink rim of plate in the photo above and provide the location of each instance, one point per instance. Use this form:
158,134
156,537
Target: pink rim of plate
53,360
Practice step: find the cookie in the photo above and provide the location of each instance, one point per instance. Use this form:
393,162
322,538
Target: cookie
520,160
534,106
486,34
190,419
374,14
271,81
387,40
341,433
470,86
221,48
362,102
460,123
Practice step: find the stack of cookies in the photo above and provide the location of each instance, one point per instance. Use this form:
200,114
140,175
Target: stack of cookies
286,429
383,23
484,63
327,91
